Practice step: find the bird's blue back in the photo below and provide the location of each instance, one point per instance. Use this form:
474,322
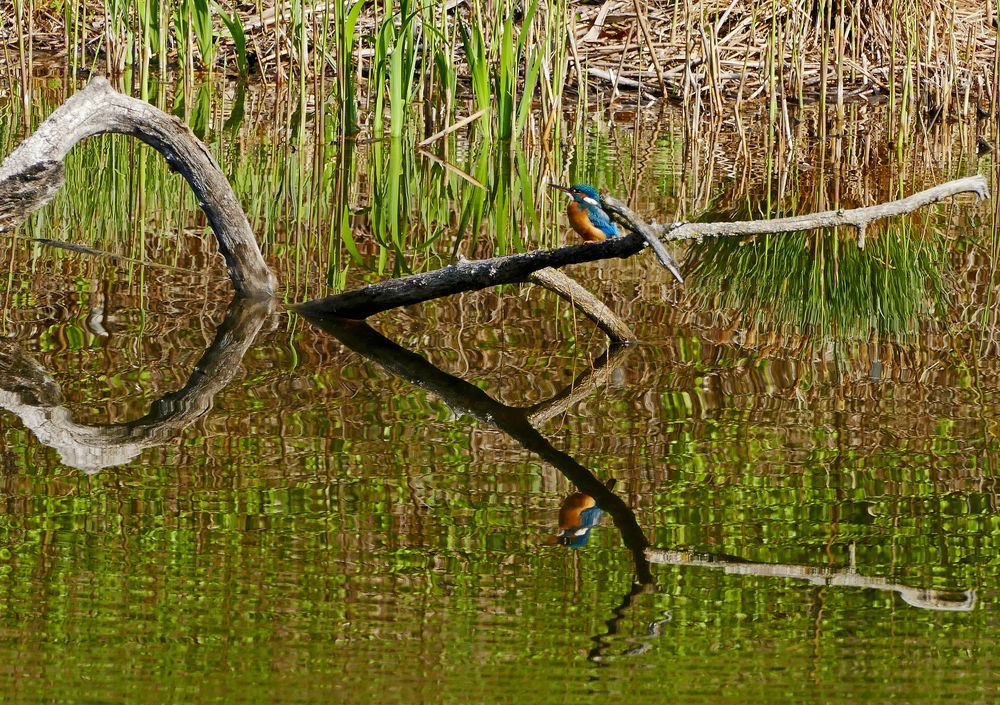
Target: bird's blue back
598,216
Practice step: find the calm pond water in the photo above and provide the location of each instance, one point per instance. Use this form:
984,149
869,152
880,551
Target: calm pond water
205,503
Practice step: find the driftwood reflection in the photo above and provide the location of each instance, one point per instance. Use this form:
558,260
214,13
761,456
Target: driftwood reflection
27,390
467,399
924,598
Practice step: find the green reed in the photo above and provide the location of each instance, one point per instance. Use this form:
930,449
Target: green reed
495,73
512,112
345,24
235,26
395,64
204,34
474,45
331,213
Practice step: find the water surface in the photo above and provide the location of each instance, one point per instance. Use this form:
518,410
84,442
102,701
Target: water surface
205,508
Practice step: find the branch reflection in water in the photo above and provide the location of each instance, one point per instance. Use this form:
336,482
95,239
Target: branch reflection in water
924,598
465,398
27,390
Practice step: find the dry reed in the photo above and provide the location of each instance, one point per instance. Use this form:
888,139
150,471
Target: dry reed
939,56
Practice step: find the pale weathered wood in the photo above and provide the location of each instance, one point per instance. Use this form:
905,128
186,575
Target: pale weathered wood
29,175
592,307
637,225
27,191
858,218
33,172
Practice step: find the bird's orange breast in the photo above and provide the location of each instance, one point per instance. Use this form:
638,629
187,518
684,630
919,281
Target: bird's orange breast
580,221
572,507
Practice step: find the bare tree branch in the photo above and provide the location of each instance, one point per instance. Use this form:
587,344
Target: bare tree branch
637,225
859,218
464,275
592,307
472,275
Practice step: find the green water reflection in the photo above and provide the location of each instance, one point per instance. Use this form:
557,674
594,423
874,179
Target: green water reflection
802,513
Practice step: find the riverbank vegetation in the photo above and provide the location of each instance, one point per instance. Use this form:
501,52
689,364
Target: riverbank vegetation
753,112
524,60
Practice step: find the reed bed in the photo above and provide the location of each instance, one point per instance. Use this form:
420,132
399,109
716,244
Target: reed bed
332,209
938,56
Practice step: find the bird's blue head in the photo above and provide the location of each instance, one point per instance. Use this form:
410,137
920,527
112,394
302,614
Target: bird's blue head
584,194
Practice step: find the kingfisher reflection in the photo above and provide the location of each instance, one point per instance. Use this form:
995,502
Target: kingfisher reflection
578,514
465,398
27,390
582,510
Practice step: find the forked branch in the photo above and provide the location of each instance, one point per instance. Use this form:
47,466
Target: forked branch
472,275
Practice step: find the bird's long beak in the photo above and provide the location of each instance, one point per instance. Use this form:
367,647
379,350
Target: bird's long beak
561,188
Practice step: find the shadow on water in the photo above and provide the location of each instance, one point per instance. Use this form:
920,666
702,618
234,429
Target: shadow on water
27,390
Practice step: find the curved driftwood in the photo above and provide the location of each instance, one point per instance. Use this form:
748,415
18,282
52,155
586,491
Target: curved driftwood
27,390
33,172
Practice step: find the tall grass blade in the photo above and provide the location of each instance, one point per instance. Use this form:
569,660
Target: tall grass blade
235,26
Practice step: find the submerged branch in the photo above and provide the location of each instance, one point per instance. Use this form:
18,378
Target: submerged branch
859,218
33,172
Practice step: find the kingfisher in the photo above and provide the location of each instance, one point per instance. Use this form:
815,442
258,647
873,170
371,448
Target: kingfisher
593,223
586,215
